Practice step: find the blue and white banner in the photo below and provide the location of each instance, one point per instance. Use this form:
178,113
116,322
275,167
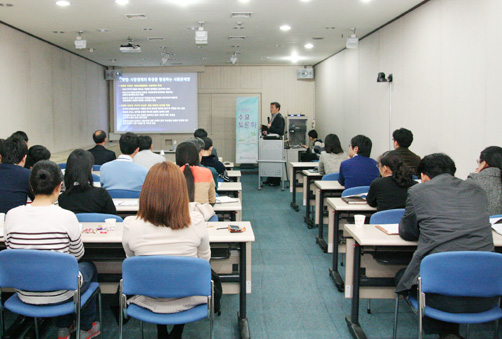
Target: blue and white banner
246,130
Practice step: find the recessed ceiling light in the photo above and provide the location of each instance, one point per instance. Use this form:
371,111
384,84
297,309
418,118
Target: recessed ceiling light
147,29
244,1
121,2
238,27
308,46
58,32
305,0
102,30
63,3
285,28
278,45
365,0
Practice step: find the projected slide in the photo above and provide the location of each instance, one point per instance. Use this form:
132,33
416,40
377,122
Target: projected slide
156,103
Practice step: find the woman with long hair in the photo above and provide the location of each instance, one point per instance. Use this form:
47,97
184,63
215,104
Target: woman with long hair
166,224
332,156
200,183
80,195
488,175
390,191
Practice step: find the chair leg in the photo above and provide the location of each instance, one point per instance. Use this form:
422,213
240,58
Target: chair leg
369,306
396,311
496,334
100,310
36,327
141,328
468,330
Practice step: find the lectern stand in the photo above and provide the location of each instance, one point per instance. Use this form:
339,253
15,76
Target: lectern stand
271,159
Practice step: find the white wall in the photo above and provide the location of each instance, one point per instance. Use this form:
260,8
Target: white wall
446,61
57,98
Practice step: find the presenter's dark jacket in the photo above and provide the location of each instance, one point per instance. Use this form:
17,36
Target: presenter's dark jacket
277,126
102,155
410,159
444,214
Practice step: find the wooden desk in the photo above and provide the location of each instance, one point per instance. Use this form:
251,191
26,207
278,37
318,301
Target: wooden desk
131,206
230,188
113,240
336,207
234,175
308,187
296,168
324,189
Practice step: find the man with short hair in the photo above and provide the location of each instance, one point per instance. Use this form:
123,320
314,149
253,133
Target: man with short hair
402,140
100,153
444,214
14,178
360,169
145,156
277,123
21,135
209,160
199,144
201,133
123,173
35,154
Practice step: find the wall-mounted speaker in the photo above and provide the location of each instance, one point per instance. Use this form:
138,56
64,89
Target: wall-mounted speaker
305,73
112,74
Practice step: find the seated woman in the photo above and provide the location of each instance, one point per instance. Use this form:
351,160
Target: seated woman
314,147
332,156
390,191
31,226
80,195
201,186
165,225
488,175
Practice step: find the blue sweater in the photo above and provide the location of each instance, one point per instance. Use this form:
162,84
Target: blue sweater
122,174
14,186
358,171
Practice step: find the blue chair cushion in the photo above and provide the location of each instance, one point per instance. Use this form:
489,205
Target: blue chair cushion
460,318
15,305
191,315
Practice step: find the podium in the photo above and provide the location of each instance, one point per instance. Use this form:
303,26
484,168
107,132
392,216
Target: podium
271,159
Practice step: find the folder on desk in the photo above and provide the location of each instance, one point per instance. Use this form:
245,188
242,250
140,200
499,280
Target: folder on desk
225,200
389,229
356,199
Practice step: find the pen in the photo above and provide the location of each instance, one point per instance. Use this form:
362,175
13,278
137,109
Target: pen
222,228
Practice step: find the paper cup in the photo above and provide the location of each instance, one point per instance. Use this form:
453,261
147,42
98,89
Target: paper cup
359,218
110,223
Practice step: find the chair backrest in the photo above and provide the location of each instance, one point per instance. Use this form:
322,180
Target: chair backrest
35,270
355,190
166,276
496,216
95,177
62,166
464,273
97,217
331,176
124,194
214,218
96,168
387,217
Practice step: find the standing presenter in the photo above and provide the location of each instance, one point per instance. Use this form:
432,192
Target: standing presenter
276,126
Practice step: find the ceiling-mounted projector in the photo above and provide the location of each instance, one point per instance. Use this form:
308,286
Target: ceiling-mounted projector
130,48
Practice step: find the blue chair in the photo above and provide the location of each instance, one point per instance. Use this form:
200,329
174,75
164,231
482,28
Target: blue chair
123,194
34,270
166,276
331,176
96,168
62,166
214,218
97,217
387,217
355,190
95,177
458,274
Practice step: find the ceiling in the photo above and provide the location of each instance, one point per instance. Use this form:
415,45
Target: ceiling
324,23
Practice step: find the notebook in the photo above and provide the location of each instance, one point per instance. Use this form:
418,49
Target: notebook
356,199
390,229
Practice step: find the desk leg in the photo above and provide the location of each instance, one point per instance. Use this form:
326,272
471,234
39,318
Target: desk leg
293,186
353,320
308,220
244,332
333,272
320,216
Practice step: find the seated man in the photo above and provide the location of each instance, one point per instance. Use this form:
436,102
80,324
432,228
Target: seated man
14,178
201,133
199,144
402,140
360,169
145,156
35,154
21,135
123,173
100,153
210,160
444,213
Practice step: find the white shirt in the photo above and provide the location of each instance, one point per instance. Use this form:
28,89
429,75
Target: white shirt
147,158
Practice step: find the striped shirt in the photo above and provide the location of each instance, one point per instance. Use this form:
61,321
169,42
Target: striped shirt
48,228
